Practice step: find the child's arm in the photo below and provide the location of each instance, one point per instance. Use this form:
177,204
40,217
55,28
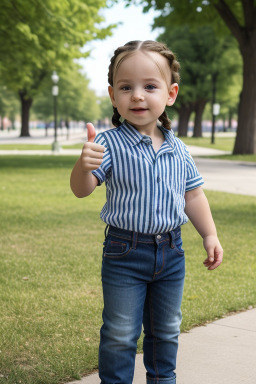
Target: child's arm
82,181
198,210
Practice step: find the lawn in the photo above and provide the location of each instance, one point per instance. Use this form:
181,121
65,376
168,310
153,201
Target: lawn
222,143
25,147
249,158
50,261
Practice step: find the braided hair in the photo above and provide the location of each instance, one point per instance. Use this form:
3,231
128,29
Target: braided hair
147,46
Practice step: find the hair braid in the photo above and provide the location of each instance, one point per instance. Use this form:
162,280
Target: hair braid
165,121
116,118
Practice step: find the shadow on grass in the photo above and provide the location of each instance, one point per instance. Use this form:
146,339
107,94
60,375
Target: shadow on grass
37,162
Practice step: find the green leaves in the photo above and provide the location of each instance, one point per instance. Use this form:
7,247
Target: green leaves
38,37
75,100
26,31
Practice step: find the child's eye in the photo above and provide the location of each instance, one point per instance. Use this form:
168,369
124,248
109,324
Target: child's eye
150,87
126,88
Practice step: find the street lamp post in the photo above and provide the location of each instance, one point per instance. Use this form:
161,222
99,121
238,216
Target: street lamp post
214,80
55,92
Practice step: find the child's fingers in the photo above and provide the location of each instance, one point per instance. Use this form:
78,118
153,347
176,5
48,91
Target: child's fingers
91,164
217,260
210,253
214,266
94,150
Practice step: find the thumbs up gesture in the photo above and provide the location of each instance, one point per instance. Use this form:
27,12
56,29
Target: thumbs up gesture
92,153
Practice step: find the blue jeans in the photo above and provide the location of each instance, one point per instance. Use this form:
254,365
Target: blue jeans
142,279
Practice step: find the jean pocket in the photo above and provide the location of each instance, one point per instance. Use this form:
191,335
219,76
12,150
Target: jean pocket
178,246
115,248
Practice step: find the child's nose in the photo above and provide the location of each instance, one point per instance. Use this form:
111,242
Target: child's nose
137,96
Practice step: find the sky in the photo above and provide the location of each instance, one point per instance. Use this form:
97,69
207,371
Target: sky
136,25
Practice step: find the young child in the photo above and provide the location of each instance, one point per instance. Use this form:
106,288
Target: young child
152,188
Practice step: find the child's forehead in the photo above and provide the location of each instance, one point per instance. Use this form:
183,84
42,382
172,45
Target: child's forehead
144,60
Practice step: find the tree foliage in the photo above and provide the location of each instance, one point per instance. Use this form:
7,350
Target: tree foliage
37,37
9,105
106,107
76,101
237,16
202,54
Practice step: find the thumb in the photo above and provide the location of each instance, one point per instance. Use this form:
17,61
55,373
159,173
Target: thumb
91,133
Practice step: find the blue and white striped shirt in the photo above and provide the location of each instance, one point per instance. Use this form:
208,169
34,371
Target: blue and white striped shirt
145,190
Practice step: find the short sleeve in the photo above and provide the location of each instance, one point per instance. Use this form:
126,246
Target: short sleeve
194,179
105,166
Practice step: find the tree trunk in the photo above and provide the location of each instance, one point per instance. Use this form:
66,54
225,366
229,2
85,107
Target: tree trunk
246,36
25,107
67,125
230,114
185,111
199,109
246,129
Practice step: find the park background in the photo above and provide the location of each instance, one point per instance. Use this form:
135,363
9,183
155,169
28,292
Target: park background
51,242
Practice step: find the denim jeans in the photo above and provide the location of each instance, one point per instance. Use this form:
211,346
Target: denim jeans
142,279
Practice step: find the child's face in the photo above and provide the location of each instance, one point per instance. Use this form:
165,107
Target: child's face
140,92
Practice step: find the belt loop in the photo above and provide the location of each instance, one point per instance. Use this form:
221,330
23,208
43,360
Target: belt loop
172,238
106,230
134,239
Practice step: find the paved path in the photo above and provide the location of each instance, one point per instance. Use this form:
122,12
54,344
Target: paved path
228,176
223,352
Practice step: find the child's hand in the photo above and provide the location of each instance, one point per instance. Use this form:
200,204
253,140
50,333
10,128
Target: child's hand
92,153
214,252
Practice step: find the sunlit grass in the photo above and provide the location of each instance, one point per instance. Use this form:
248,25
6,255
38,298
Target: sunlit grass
24,147
249,158
221,143
50,260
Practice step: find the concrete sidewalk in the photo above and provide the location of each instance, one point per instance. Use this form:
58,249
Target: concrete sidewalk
222,352
228,176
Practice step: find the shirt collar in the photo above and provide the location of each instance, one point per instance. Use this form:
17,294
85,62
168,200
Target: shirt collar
135,137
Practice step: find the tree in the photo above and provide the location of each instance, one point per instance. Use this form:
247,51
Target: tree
76,101
202,56
239,17
38,37
106,107
8,105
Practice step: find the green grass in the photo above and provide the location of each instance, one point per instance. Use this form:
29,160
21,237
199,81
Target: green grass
222,143
29,147
250,158
24,147
50,261
74,146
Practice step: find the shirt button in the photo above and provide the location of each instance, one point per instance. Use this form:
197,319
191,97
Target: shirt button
158,179
158,237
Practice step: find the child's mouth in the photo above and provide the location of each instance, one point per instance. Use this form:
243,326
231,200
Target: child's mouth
138,110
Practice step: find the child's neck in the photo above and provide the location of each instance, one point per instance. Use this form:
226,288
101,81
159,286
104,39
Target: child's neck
149,130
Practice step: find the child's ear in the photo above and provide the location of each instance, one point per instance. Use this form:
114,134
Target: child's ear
111,95
173,92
